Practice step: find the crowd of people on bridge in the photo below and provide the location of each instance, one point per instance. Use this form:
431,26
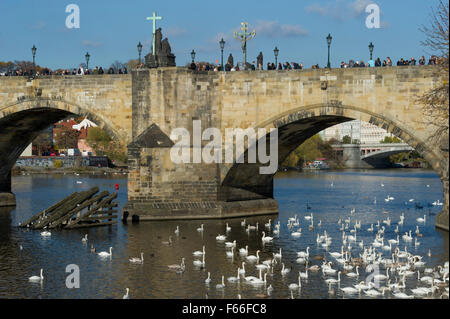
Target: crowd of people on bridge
433,60
228,67
80,71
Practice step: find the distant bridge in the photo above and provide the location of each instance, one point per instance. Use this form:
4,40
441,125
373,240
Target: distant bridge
384,150
369,155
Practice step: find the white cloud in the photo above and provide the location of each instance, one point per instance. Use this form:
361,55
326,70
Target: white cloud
92,44
274,29
340,9
39,26
174,32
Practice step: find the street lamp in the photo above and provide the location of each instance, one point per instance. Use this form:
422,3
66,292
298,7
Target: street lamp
193,55
329,38
275,52
139,46
222,46
371,46
33,51
87,56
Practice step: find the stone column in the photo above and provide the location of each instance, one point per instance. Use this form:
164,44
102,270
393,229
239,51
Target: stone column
6,197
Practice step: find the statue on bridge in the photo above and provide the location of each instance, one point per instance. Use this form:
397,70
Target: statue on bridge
163,53
260,61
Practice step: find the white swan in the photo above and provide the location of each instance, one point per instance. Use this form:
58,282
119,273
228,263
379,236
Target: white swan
277,255
352,274
303,253
422,220
304,275
199,263
222,285
177,231
178,267
208,280
230,254
221,237
374,293
37,278
229,244
253,258
243,251
234,279
402,295
46,233
268,224
227,228
85,238
243,223
337,254
200,229
199,253
334,281
265,238
427,279
350,290
106,254
285,270
126,296
381,276
262,266
242,270
136,260
295,286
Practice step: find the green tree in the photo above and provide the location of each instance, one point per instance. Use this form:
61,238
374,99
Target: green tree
346,140
390,140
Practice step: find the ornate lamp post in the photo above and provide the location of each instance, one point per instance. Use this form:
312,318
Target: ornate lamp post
243,37
193,56
87,56
33,51
329,38
139,47
222,46
371,46
275,52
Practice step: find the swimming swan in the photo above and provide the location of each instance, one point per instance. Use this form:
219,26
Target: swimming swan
106,254
136,260
37,278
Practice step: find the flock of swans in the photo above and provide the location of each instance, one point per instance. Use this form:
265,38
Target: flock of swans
374,261
378,267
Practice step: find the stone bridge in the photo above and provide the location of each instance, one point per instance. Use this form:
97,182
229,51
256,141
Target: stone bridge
144,108
373,155
388,150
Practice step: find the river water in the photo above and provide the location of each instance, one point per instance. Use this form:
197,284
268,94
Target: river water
108,278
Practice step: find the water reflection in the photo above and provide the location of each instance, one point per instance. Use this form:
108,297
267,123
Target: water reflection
108,278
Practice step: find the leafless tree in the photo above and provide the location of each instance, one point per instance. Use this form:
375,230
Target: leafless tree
435,101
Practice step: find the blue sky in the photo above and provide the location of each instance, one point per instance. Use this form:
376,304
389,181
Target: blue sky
111,29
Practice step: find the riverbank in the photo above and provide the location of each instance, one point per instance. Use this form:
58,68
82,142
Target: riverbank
90,170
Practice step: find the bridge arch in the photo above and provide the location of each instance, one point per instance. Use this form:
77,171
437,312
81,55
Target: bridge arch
21,122
296,126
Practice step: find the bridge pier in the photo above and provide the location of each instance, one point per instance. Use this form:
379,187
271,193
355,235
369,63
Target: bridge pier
6,197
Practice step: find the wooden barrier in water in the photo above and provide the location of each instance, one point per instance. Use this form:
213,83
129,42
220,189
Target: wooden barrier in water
84,209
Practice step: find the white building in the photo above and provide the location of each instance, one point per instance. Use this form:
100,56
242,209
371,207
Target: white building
364,132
